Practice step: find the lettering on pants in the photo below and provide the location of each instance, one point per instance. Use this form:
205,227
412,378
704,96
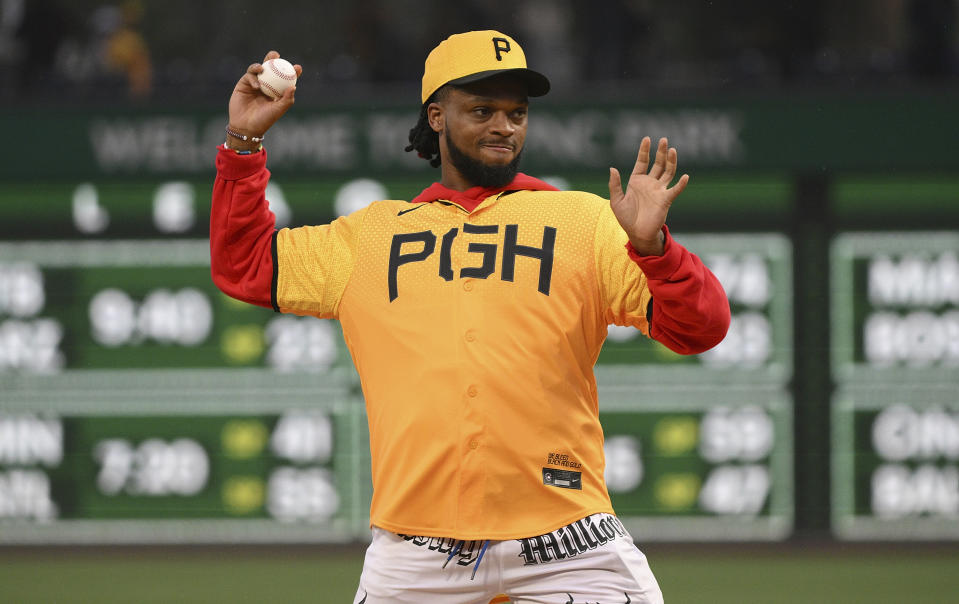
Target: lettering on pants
571,540
444,545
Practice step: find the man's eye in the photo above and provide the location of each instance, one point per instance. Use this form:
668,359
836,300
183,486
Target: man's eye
481,111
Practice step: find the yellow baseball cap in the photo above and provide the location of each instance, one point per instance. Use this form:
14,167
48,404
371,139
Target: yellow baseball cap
476,55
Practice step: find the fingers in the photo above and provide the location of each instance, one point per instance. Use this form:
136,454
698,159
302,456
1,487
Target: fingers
256,68
670,171
659,164
642,159
678,188
667,160
615,186
287,98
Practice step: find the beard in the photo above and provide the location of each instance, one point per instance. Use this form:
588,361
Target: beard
478,173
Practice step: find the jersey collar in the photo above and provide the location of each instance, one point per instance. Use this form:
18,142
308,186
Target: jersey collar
472,197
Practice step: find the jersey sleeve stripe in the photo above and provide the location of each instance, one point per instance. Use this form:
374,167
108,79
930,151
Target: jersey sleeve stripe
276,273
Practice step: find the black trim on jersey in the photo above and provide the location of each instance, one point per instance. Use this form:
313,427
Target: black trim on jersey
649,315
276,273
450,203
408,210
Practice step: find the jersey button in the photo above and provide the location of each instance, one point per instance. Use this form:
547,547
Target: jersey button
472,391
468,286
473,444
470,335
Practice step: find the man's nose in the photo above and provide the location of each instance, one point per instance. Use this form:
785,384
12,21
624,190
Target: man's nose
501,124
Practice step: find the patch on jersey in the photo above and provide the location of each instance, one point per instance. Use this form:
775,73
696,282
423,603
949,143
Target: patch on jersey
564,479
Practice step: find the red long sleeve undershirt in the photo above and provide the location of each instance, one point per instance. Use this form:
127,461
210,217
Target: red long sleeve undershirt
241,228
690,312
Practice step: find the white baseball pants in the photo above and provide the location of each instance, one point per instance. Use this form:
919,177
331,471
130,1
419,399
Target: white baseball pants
593,560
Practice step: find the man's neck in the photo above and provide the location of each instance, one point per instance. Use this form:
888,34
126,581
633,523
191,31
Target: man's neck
451,178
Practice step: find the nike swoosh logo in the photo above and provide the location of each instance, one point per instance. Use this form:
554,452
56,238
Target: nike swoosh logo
418,206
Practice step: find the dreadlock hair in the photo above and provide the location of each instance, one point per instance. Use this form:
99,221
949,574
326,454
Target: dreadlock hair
423,139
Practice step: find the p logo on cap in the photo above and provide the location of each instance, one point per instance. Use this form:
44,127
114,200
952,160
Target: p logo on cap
501,45
476,55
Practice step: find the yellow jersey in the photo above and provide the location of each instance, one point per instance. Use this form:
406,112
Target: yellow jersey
474,333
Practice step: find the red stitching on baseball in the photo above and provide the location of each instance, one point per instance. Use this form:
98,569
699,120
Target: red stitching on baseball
280,74
276,92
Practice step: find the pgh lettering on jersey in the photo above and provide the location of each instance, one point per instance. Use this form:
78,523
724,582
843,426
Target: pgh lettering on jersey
424,242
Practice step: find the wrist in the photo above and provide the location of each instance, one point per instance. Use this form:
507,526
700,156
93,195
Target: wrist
240,140
653,247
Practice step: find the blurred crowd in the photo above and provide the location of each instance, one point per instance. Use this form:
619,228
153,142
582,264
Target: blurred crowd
68,51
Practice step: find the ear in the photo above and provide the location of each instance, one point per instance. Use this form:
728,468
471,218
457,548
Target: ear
436,117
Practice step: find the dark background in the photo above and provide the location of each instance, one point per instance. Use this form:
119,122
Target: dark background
64,51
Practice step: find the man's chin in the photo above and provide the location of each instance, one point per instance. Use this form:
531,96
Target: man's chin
495,160
489,169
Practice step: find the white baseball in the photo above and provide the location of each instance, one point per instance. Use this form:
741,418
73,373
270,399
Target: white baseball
277,76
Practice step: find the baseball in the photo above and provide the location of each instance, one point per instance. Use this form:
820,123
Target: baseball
277,76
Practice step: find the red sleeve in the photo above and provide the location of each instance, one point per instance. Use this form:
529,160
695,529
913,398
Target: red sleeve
690,312
242,228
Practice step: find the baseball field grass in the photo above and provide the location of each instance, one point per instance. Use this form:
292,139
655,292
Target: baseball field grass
780,574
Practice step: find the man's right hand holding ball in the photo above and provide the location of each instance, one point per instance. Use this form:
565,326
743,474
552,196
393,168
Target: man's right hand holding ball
252,112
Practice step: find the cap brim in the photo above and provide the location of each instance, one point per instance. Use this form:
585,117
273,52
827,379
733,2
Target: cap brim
536,83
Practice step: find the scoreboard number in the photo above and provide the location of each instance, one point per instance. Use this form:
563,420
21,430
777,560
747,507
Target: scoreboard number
183,317
153,468
302,494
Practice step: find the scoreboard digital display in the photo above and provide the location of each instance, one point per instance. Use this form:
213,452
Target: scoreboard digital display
95,305
895,417
175,456
755,270
896,462
693,463
895,303
212,457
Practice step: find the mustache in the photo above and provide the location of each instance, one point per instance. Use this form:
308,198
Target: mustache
499,143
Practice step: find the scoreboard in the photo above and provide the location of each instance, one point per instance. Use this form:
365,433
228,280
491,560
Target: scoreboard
755,270
896,465
896,306
699,463
158,462
895,417
179,458
138,404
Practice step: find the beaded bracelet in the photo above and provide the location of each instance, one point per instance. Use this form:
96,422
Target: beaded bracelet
243,137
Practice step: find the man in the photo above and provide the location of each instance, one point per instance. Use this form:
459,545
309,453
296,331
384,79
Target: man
474,315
